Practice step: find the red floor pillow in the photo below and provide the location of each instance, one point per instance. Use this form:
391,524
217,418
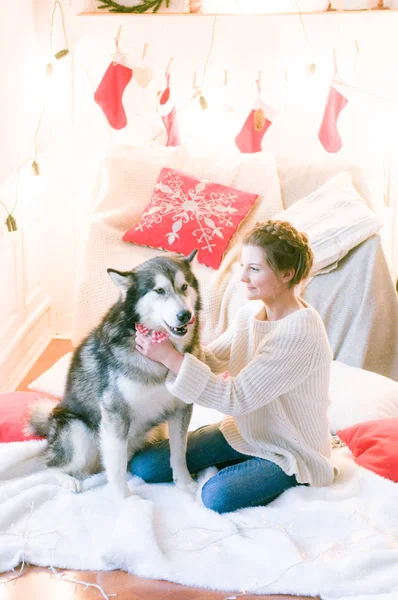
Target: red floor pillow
14,408
374,445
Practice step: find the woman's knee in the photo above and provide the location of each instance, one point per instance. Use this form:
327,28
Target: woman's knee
216,497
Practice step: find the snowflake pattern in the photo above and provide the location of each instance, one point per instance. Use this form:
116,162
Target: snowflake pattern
186,214
211,212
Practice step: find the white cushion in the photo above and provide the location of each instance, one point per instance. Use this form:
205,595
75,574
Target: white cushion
299,176
128,175
358,395
336,219
53,381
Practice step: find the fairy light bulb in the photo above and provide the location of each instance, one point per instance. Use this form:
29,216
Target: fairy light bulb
49,69
197,91
35,168
61,53
203,102
311,69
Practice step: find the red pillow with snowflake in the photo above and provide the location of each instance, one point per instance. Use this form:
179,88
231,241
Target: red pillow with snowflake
186,213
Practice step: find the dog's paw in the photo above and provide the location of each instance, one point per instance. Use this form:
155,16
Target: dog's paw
68,483
120,495
129,494
93,481
189,487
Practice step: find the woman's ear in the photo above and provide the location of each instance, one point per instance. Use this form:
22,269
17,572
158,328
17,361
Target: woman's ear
288,275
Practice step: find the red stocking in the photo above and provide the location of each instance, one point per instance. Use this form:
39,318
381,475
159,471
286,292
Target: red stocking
110,92
257,123
167,112
328,134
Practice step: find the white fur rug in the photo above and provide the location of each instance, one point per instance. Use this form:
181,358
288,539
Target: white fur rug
339,542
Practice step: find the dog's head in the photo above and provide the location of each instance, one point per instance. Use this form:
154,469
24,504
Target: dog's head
162,294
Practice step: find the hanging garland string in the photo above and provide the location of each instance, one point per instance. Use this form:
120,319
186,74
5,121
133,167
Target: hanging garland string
10,220
64,51
145,5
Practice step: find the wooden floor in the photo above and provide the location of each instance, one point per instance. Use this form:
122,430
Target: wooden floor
40,584
52,353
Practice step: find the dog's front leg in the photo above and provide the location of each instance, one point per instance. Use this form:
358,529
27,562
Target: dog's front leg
178,431
115,424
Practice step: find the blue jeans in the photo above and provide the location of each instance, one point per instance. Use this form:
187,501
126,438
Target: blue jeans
242,480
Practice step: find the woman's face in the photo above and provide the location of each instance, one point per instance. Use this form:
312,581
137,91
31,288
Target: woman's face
261,281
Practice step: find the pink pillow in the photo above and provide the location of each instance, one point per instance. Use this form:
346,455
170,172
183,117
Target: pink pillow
185,213
374,445
14,408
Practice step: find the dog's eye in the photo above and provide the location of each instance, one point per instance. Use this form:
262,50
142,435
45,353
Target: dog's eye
160,291
184,287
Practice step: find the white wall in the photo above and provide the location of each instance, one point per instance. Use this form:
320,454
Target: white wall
19,101
274,45
243,45
24,300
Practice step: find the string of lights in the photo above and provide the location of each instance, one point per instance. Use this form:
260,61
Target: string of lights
10,219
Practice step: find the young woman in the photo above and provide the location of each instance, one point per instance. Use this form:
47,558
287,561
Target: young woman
277,391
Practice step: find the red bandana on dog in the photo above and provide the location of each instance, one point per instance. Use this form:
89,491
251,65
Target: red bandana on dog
157,336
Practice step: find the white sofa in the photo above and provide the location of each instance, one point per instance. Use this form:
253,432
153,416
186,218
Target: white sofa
356,299
354,294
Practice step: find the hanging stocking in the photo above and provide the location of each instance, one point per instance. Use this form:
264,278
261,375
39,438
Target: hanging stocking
110,92
256,125
335,103
167,112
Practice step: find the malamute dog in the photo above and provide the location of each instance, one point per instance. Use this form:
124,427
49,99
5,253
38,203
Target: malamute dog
114,395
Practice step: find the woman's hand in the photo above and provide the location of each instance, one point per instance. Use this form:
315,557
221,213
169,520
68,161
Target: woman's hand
164,352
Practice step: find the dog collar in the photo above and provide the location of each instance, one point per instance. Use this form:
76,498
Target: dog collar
157,336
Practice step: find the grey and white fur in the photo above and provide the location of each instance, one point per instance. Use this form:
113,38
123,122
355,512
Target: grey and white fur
115,398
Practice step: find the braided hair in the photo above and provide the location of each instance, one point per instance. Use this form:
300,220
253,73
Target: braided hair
284,248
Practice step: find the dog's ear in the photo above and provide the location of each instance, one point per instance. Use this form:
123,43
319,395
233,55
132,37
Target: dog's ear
191,256
123,279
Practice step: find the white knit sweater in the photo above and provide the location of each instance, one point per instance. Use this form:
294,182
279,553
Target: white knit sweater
277,389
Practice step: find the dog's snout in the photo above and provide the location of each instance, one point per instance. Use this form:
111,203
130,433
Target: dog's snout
184,316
